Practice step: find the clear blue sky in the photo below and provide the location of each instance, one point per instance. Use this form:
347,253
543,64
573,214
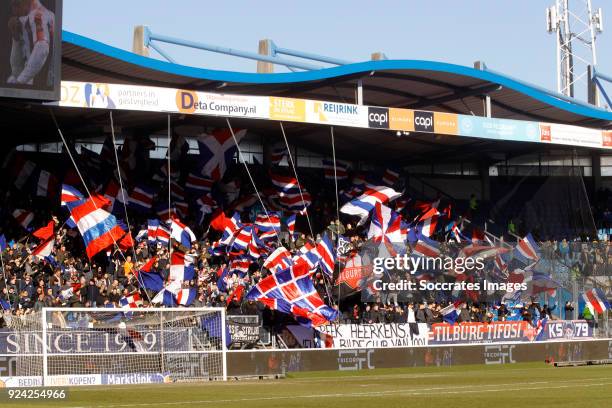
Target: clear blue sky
508,35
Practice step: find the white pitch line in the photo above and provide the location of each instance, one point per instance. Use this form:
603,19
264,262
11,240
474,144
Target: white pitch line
414,392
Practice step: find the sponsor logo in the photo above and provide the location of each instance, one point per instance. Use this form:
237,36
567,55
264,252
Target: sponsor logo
134,378
545,133
327,111
287,109
353,360
501,354
423,121
567,330
98,96
69,380
187,101
401,119
378,118
446,123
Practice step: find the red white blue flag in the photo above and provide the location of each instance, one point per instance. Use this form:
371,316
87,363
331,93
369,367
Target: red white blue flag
596,300
527,250
291,291
364,204
341,172
385,226
98,227
217,150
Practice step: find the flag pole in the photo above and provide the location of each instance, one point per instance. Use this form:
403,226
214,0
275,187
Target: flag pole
4,274
333,143
127,219
169,192
297,179
76,167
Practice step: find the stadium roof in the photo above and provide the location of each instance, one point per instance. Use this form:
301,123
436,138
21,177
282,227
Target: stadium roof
410,84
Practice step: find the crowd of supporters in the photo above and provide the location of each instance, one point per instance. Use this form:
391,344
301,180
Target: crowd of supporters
71,279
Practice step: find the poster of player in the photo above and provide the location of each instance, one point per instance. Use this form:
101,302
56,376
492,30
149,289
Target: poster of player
30,49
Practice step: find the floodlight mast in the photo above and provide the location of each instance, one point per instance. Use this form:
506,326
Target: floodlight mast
575,26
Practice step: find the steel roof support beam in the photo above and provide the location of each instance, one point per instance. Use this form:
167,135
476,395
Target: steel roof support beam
454,96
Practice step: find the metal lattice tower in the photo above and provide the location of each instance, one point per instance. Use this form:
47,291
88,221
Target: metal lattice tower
575,26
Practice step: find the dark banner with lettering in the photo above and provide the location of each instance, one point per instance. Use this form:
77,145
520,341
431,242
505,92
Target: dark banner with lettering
500,332
74,341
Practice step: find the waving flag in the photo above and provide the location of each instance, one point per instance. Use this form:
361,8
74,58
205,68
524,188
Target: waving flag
390,177
240,266
98,227
236,295
364,204
198,184
341,169
46,235
244,202
325,249
181,266
386,225
45,232
115,194
527,250
166,295
268,226
291,225
456,232
141,198
257,247
45,249
217,150
291,291
149,279
293,201
285,184
152,226
450,313
69,194
132,301
23,217
181,233
23,169
309,254
46,184
126,242
428,227
596,300
242,238
163,234
186,296
278,260
426,247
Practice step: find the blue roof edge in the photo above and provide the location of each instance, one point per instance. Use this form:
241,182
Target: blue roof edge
533,91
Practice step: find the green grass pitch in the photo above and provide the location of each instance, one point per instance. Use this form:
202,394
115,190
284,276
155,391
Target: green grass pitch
516,386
